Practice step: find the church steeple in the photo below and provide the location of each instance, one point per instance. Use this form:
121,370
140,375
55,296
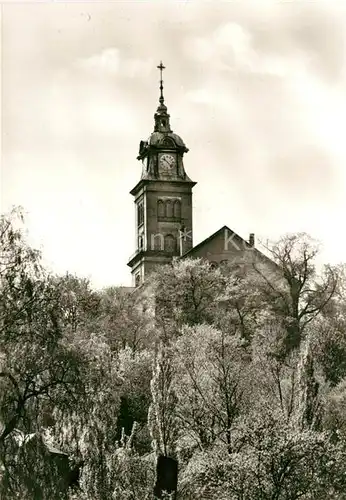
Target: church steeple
162,138
161,116
163,197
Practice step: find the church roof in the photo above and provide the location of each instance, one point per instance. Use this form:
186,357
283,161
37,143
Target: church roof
217,233
229,236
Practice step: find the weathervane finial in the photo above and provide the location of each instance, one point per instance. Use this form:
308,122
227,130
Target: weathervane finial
161,67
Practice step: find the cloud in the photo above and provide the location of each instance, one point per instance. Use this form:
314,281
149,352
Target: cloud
231,48
112,61
108,61
268,90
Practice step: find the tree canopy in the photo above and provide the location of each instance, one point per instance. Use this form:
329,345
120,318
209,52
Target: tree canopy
237,373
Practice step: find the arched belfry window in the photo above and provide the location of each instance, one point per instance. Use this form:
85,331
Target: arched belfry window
160,208
170,243
177,209
169,208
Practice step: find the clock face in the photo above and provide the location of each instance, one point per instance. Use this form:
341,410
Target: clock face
167,162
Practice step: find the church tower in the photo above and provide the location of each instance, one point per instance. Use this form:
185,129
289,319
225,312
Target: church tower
163,198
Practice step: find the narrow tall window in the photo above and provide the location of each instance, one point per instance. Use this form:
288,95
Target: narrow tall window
140,214
169,208
177,209
160,209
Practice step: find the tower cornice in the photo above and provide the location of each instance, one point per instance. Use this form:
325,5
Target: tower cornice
151,182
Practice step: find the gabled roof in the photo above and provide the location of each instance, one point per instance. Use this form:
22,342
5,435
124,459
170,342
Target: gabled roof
212,236
238,238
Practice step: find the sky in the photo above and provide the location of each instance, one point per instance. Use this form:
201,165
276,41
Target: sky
256,89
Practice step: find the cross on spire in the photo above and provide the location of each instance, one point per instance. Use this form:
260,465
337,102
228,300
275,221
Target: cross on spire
161,67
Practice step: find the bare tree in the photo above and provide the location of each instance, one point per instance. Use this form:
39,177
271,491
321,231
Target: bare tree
295,292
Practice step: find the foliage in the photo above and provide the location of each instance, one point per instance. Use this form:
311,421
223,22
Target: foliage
39,367
126,319
186,293
162,420
239,373
212,384
294,291
275,462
